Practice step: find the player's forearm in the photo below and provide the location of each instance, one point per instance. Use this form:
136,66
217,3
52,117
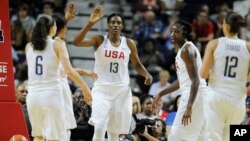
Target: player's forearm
77,79
81,71
193,92
141,70
80,36
173,87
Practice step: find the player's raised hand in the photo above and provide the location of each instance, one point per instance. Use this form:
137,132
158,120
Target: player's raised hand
148,79
96,15
70,11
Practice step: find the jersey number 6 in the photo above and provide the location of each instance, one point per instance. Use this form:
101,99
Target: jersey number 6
39,67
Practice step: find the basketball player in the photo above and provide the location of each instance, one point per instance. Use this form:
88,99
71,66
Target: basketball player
226,63
189,118
112,98
45,101
61,23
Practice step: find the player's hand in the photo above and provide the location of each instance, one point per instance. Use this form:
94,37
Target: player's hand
96,15
87,97
156,101
148,79
186,119
70,11
91,74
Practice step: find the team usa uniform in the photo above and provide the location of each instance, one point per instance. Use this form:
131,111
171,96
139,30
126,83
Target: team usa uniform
112,97
45,102
225,103
193,130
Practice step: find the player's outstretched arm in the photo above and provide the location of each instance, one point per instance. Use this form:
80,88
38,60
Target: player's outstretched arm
95,16
87,73
137,63
62,53
173,87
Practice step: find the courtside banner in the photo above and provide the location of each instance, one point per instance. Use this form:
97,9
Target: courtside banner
7,92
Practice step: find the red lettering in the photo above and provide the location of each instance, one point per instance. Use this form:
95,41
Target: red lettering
121,55
115,54
107,53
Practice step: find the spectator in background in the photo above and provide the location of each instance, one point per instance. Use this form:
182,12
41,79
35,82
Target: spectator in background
27,21
18,36
245,32
48,9
163,83
149,28
203,29
218,32
22,92
153,60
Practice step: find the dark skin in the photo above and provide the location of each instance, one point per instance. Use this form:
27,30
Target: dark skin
188,55
115,27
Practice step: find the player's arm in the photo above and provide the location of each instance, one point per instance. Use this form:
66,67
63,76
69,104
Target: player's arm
188,54
87,73
62,53
137,63
208,58
95,40
173,87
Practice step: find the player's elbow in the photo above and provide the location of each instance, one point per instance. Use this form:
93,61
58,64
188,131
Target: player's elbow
69,71
77,43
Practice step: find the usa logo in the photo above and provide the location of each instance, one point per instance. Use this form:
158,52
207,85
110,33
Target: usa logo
1,33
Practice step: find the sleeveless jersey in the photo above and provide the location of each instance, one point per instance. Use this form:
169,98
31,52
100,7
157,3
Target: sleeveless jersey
230,69
111,63
182,73
43,66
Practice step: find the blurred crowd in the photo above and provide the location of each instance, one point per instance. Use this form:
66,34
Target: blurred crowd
151,24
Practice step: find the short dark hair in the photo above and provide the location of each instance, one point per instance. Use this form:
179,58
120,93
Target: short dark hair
145,97
113,15
187,29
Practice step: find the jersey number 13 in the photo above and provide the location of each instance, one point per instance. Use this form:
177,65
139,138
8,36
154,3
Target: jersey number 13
114,67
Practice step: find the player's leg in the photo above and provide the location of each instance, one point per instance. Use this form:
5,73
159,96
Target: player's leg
101,106
235,115
214,117
121,113
192,131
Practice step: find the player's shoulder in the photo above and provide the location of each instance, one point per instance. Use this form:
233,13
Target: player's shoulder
212,45
28,45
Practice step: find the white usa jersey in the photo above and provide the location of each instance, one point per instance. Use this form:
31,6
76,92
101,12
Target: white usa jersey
182,73
43,66
111,63
231,66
